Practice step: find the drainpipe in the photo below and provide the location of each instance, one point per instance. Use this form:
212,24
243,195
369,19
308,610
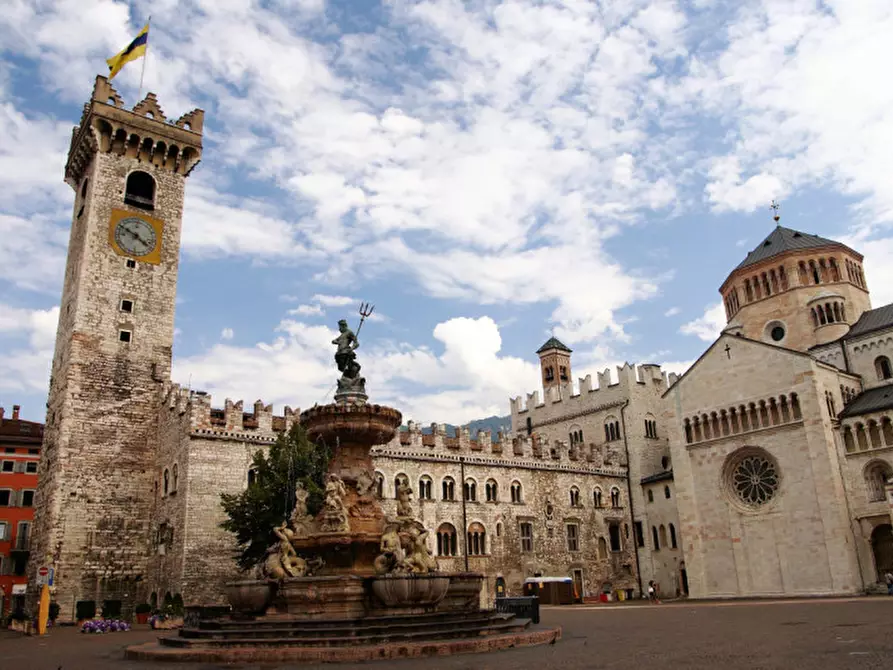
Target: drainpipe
464,518
846,359
629,496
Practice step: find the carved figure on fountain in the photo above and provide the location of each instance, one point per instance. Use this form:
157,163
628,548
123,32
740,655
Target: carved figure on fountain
351,386
334,515
366,505
301,522
282,560
404,500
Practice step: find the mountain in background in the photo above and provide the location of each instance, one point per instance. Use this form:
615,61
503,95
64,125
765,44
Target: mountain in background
492,423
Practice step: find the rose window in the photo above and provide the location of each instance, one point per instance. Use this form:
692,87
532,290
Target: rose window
755,480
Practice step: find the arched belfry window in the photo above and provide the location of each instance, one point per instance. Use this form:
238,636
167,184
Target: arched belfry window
882,365
140,190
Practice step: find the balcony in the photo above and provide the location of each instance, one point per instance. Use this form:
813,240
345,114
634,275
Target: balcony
22,544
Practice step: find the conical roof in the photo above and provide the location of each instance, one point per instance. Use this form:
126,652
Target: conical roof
783,239
553,343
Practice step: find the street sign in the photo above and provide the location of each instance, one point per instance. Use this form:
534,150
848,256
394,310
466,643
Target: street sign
45,575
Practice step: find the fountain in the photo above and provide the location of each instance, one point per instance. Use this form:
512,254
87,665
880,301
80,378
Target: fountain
349,583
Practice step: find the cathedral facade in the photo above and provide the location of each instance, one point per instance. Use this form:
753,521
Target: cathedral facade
761,471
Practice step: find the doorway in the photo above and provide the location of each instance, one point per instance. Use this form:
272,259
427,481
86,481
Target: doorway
882,547
578,585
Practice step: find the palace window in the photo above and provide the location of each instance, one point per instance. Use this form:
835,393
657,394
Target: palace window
612,430
448,487
615,497
425,488
614,534
526,536
492,489
575,496
379,485
597,497
252,476
516,492
573,537
654,539
477,540
673,543
651,428
446,540
470,490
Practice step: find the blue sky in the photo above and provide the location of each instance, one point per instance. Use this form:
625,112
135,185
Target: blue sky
483,172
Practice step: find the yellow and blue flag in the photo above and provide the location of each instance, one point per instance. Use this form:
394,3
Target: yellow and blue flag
134,50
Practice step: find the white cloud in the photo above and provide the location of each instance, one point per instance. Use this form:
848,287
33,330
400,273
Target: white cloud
673,311
467,380
227,334
334,300
25,367
307,310
709,326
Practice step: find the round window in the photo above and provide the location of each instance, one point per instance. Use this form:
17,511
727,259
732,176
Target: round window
753,479
777,333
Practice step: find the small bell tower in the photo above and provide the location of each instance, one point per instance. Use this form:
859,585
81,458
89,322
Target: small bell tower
555,363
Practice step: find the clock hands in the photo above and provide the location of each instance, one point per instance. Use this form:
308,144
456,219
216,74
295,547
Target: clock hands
136,237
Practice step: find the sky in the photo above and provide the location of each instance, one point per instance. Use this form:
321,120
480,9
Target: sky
484,173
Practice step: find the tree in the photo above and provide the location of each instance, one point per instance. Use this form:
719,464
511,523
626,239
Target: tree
270,496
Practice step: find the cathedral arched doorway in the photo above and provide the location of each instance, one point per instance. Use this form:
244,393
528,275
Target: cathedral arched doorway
882,547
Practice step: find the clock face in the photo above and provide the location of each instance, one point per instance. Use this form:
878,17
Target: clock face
135,236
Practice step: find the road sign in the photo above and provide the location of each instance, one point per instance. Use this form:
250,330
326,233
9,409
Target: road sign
45,575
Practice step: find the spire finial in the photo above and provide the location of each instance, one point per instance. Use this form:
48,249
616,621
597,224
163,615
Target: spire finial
775,207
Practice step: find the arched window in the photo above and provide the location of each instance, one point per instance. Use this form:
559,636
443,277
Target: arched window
470,490
612,429
602,548
882,366
597,497
425,487
529,425
492,490
876,475
575,496
615,497
562,373
667,491
140,190
650,495
848,442
673,543
477,540
252,476
379,485
167,482
550,373
446,540
400,480
175,478
516,492
448,487
654,538
662,533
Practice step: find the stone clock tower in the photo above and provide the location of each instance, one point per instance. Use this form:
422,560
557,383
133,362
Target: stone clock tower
128,169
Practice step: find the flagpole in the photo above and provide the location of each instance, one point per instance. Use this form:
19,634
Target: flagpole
139,96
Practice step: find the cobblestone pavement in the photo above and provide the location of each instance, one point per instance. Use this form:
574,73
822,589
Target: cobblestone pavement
811,635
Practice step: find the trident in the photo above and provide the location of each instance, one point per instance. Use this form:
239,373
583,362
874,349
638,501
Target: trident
365,310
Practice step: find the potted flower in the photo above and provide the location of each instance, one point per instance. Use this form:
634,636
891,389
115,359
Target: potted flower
142,612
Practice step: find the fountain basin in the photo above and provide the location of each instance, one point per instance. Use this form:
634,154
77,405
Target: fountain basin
410,590
250,596
365,425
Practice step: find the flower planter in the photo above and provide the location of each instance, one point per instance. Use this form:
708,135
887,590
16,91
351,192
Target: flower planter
142,617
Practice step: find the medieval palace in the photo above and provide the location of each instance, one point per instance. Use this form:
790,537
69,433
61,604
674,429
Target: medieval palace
763,470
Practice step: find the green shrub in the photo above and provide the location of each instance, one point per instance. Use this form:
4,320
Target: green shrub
143,608
54,611
85,609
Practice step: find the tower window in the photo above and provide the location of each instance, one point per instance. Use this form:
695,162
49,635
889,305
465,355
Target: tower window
562,372
125,335
131,263
127,306
778,333
140,190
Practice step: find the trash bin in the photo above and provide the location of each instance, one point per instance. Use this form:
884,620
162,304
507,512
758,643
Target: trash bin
621,594
629,594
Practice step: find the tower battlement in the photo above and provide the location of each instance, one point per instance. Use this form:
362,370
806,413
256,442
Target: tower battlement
143,133
232,418
589,395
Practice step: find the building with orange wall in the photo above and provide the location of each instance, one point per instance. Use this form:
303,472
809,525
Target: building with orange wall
19,457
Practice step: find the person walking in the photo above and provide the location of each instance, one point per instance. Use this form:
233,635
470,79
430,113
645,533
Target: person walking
652,593
889,579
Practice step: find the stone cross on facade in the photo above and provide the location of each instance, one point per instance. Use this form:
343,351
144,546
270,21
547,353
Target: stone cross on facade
728,351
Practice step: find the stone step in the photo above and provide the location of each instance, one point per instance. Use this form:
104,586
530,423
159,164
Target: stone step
351,627
456,632
381,630
389,620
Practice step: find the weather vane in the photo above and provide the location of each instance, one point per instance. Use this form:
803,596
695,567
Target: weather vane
775,207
